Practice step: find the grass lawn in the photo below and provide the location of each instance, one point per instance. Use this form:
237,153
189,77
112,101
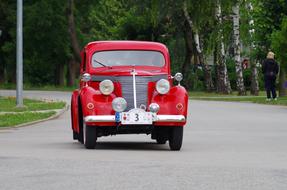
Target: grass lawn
26,114
261,99
25,117
7,104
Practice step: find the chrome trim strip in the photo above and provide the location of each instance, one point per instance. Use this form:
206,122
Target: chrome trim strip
100,118
134,87
170,118
158,118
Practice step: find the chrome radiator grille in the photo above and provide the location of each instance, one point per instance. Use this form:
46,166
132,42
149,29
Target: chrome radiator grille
127,87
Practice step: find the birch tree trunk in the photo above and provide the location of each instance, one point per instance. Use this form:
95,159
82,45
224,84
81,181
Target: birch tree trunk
223,83
237,50
188,38
188,56
254,89
206,68
194,37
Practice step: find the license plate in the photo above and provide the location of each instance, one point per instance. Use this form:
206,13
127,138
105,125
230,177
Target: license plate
136,117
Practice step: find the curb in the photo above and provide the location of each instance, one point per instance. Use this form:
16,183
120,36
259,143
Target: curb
56,115
39,111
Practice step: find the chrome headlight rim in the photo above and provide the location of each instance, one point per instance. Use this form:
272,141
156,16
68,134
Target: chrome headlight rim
162,86
119,104
106,87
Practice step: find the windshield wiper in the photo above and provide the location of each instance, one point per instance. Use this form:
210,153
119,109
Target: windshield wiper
100,63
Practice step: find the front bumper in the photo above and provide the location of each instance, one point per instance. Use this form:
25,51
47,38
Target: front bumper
112,118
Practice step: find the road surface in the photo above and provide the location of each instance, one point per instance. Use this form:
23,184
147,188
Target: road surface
226,146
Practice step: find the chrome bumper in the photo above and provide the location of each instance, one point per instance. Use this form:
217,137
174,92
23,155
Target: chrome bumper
170,118
100,118
112,118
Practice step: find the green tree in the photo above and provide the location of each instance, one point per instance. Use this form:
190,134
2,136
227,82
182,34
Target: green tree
270,26
279,44
46,42
7,41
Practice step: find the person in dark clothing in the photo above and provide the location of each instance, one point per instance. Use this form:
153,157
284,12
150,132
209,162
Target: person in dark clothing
270,70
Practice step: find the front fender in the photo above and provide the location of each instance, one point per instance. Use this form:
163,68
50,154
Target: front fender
173,103
101,104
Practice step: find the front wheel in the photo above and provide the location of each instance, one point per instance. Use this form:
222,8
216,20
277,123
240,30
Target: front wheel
90,136
175,138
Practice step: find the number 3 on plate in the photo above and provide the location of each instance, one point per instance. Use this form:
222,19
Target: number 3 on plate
137,117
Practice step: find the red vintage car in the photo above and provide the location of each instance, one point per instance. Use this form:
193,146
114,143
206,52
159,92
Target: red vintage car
127,88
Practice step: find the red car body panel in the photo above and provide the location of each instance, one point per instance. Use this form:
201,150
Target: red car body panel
168,104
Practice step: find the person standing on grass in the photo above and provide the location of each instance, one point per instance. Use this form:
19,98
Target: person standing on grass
270,70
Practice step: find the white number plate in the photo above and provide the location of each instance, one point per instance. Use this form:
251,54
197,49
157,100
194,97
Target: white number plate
136,117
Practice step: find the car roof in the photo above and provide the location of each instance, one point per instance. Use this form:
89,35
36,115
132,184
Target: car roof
118,45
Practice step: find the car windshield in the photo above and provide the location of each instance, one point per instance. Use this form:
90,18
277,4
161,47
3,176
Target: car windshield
128,58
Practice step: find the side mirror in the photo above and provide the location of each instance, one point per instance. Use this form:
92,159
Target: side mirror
178,77
86,77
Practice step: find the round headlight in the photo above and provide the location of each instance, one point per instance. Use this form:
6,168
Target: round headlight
106,87
119,104
162,86
154,107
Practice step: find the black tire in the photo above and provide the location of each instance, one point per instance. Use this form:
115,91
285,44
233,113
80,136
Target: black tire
90,138
81,132
161,140
75,135
175,138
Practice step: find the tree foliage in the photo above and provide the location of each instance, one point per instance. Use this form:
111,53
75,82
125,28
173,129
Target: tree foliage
279,43
48,50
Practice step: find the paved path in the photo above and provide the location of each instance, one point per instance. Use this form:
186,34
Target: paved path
226,146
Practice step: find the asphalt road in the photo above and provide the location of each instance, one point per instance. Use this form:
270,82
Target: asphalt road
226,146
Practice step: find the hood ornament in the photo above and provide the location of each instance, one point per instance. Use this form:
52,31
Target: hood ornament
133,72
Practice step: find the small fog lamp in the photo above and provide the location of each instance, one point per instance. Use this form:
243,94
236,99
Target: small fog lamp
119,104
154,107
